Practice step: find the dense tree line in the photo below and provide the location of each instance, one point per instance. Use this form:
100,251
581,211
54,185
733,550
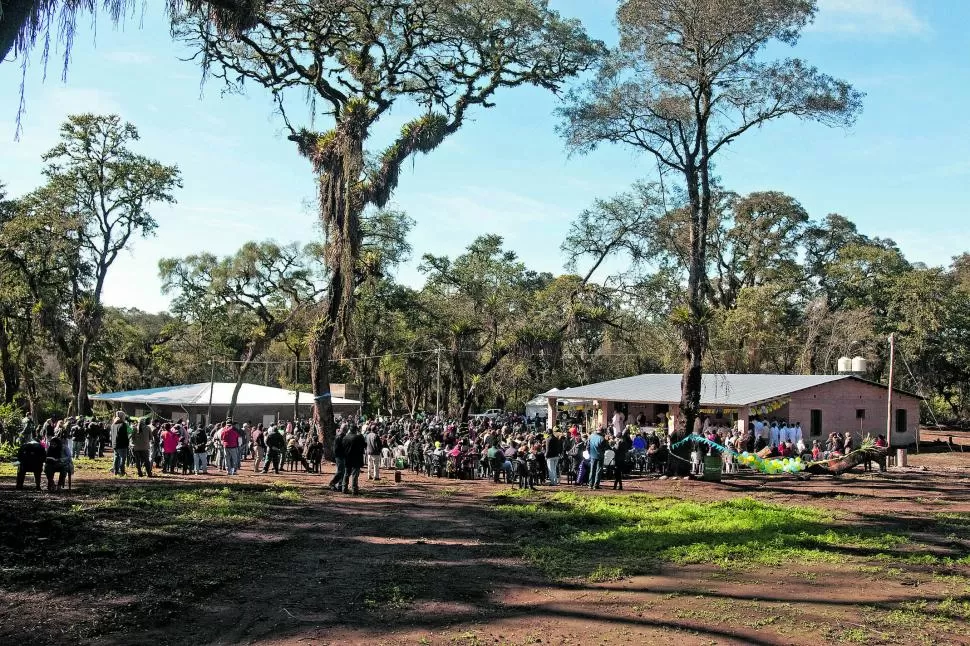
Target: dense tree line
713,281
784,292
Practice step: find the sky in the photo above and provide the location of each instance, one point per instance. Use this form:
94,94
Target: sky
900,172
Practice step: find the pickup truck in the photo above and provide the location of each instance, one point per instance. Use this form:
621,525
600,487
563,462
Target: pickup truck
491,413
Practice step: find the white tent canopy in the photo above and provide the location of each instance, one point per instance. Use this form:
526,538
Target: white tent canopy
198,395
538,405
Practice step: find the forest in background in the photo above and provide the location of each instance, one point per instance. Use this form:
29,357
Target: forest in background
786,292
710,281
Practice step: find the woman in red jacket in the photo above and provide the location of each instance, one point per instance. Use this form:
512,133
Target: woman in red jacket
170,444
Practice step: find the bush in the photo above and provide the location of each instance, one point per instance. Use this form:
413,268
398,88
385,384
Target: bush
10,417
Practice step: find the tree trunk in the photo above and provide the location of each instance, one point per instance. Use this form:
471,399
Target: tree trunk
8,368
693,333
243,371
296,386
321,348
84,361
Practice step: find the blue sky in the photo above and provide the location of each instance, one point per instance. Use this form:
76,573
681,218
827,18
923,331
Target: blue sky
901,172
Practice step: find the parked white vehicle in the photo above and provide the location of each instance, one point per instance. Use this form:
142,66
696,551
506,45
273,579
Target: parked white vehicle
491,413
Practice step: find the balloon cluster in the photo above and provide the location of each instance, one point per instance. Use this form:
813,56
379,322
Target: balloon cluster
773,466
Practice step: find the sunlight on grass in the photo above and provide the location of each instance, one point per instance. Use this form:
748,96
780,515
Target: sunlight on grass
606,537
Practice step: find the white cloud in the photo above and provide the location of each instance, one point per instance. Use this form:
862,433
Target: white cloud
869,17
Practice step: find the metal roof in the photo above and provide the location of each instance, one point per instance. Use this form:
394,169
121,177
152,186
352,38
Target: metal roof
716,389
198,395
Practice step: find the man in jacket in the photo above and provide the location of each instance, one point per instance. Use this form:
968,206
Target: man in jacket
141,438
275,444
200,458
259,442
231,440
374,446
354,447
339,455
119,442
597,448
553,452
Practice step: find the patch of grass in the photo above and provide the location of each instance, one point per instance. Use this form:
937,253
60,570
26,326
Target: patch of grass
854,636
389,596
602,574
570,535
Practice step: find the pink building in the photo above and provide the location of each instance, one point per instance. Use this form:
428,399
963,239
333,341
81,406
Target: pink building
823,404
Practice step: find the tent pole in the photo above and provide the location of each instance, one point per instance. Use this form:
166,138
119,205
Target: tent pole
212,385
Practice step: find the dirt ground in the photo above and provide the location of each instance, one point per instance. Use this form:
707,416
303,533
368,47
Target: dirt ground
427,562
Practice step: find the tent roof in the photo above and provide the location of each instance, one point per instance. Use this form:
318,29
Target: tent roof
716,389
543,400
198,395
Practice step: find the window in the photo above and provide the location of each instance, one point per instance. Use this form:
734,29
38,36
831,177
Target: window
900,420
860,413
816,428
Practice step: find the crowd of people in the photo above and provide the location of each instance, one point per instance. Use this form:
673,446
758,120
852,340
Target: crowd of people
509,449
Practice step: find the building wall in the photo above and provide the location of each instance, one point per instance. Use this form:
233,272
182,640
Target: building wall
838,402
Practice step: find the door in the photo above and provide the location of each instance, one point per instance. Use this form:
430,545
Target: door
901,421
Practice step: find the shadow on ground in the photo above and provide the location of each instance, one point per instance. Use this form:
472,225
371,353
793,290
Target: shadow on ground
174,562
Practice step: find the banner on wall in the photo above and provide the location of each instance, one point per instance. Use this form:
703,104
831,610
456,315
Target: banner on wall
768,408
719,412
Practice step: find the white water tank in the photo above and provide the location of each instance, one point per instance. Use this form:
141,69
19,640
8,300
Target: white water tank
859,365
845,365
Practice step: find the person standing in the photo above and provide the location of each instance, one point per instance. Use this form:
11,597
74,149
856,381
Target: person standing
200,457
275,443
119,442
354,447
553,450
374,446
339,455
259,442
596,446
170,444
230,443
620,449
141,441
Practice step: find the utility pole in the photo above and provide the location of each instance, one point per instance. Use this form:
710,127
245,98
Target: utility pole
438,398
889,400
212,386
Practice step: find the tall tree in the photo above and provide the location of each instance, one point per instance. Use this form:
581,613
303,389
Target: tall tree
261,289
357,59
685,81
95,180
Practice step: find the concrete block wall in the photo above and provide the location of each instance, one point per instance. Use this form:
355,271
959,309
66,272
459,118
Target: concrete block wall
839,402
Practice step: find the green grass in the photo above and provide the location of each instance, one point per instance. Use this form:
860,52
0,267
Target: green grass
606,537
